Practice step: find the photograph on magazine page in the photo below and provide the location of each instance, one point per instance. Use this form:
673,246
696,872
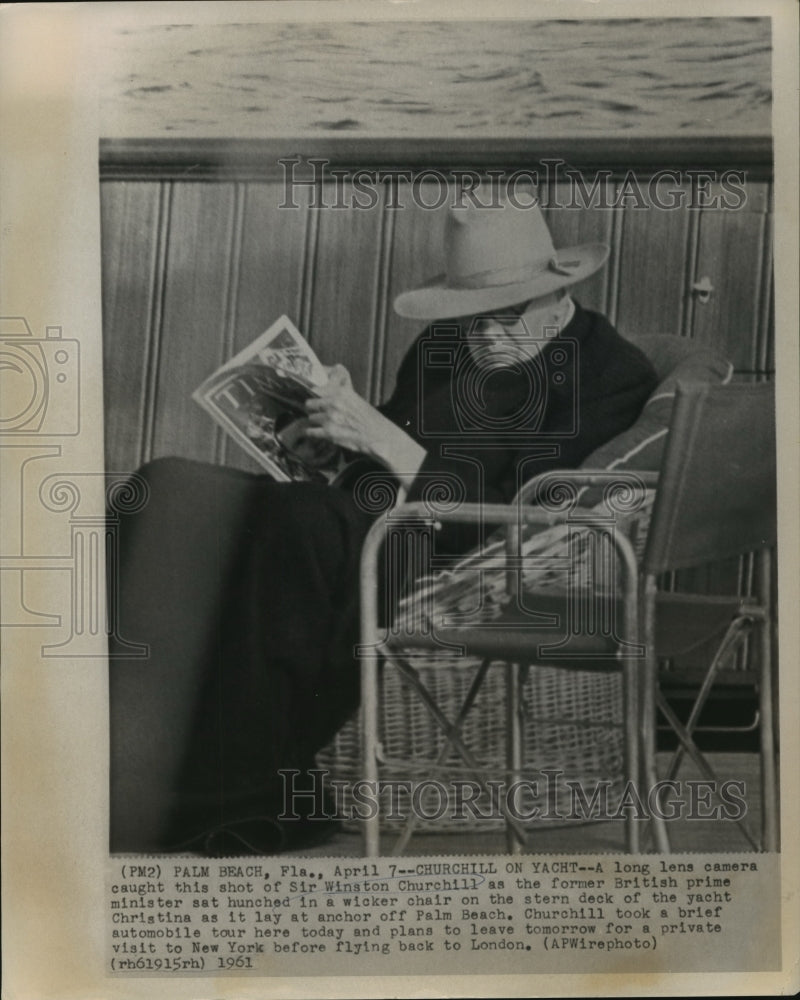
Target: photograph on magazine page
439,408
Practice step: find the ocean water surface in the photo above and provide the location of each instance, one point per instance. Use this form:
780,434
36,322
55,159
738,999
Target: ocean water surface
440,79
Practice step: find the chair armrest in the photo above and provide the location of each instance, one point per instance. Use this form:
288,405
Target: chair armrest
406,514
511,515
474,513
514,515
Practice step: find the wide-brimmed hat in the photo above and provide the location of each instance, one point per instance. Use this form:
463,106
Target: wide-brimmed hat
495,257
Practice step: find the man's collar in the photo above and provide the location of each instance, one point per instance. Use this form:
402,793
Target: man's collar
569,315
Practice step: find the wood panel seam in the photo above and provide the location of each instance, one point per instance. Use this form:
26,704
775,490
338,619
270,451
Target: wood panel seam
382,304
231,292
156,319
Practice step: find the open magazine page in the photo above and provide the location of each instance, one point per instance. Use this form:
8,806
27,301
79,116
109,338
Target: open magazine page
258,397
174,177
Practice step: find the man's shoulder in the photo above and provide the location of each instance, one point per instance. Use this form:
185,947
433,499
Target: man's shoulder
445,334
606,356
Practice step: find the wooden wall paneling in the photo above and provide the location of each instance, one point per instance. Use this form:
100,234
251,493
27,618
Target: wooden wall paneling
731,254
612,268
132,246
346,275
690,269
417,256
652,273
310,244
269,279
384,307
572,223
222,442
196,315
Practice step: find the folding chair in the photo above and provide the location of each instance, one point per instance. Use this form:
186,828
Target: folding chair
716,498
520,638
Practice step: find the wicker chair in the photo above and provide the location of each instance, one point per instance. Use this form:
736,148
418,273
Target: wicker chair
574,719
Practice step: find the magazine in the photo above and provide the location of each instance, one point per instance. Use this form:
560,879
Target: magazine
259,398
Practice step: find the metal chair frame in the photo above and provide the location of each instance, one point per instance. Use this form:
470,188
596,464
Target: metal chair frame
376,644
638,661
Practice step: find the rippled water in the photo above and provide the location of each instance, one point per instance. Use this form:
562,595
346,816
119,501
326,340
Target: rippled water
480,78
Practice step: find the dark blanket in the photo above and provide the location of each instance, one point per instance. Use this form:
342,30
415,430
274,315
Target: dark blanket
243,589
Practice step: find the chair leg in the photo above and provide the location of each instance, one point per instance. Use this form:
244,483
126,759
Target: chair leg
685,731
477,681
371,826
729,642
410,675
631,708
769,798
649,750
514,746
699,760
769,785
648,715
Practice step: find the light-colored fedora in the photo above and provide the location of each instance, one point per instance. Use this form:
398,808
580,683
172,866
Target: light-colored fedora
497,257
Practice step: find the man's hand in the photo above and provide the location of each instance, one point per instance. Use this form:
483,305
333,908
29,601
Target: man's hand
343,417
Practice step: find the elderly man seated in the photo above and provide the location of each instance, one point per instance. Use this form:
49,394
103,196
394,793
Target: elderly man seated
246,590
